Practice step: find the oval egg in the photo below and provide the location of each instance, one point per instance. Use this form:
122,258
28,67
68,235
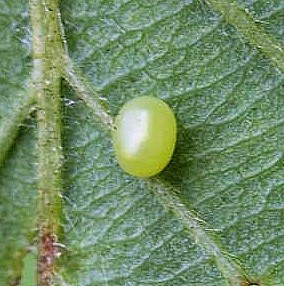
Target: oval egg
145,136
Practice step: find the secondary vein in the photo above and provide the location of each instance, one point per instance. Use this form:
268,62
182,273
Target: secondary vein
9,129
251,30
86,92
199,232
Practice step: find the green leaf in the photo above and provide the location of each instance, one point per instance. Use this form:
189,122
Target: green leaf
215,215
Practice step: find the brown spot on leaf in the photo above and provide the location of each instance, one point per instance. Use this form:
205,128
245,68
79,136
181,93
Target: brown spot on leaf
16,282
48,252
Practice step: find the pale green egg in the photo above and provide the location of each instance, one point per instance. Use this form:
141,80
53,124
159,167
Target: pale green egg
145,136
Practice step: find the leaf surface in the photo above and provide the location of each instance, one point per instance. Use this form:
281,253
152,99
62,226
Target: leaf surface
215,215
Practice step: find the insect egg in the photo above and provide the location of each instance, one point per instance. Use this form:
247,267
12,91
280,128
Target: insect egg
145,136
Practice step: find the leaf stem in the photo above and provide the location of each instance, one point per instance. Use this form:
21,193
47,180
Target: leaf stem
47,50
